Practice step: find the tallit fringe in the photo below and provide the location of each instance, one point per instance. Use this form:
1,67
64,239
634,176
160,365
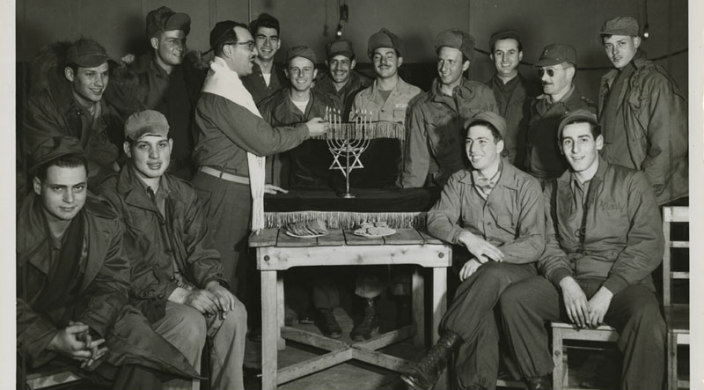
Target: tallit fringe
376,130
346,219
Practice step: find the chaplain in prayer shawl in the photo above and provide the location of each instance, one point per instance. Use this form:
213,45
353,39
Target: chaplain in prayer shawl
230,126
73,283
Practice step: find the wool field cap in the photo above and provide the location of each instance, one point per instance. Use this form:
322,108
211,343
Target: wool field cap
339,47
52,148
86,53
457,39
620,25
580,115
494,119
385,38
164,19
301,51
557,53
503,34
147,122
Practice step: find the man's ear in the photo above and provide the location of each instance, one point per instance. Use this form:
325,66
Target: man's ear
171,143
315,74
68,73
353,63
570,72
465,65
37,185
154,42
286,73
400,62
599,142
636,42
520,56
500,147
126,148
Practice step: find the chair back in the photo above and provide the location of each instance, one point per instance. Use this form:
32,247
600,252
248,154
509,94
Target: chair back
671,215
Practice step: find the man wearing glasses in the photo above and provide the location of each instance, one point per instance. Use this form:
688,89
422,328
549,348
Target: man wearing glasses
557,67
230,125
266,77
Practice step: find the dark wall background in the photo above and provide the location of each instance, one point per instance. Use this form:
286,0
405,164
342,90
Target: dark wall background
119,25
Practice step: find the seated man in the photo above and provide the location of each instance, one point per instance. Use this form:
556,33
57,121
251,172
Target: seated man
599,276
73,282
496,212
177,278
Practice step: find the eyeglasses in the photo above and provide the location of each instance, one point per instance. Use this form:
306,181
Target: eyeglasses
249,44
550,71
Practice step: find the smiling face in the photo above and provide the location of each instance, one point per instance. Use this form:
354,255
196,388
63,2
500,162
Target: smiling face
88,83
506,57
451,66
150,155
63,191
482,149
386,62
169,47
341,68
301,72
620,49
579,146
267,41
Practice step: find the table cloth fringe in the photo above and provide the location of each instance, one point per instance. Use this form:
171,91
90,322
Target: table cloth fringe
347,219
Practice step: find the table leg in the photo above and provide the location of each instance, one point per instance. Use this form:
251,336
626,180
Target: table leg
439,308
418,306
280,310
270,329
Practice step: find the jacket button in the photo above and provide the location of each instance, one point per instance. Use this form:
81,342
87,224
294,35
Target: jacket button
161,296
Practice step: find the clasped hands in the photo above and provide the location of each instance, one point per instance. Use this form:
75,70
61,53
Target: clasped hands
75,342
214,299
581,312
482,251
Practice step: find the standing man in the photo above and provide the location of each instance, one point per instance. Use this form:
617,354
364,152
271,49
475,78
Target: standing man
73,282
512,92
177,278
599,276
266,77
643,113
496,213
341,80
557,67
307,165
230,126
164,84
436,128
69,101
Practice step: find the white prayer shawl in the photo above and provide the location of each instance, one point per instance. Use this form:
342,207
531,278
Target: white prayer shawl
226,83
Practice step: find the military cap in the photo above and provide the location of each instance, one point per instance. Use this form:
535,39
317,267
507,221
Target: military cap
147,122
385,38
457,39
503,34
164,19
620,25
86,53
53,148
556,54
301,51
339,47
580,115
494,119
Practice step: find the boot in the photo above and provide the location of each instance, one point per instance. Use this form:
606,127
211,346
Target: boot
328,324
370,322
539,382
426,372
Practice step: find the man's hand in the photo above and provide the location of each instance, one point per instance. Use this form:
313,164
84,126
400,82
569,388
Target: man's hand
202,300
69,342
224,298
481,249
469,268
317,127
128,58
575,301
598,306
272,189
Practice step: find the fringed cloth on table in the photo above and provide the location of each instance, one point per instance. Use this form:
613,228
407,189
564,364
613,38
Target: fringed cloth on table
347,219
357,131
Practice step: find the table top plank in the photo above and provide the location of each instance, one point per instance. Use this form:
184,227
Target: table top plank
404,237
355,240
265,237
289,241
335,237
428,239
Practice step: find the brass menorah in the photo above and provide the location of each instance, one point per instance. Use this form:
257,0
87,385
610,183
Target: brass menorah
347,142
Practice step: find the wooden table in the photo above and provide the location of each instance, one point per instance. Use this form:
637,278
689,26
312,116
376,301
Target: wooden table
276,251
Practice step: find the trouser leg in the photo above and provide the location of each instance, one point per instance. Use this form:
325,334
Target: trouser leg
635,313
227,351
525,307
326,293
477,295
477,363
136,377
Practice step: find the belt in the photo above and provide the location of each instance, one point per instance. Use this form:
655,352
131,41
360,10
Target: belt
224,175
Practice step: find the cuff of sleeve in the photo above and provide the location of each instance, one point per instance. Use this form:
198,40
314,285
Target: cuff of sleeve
218,279
455,235
303,131
559,274
615,284
37,349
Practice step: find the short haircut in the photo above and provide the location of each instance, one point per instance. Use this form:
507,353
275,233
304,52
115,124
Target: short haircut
65,161
520,44
264,20
229,37
594,128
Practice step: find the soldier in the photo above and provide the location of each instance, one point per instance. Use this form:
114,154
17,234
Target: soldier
266,77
